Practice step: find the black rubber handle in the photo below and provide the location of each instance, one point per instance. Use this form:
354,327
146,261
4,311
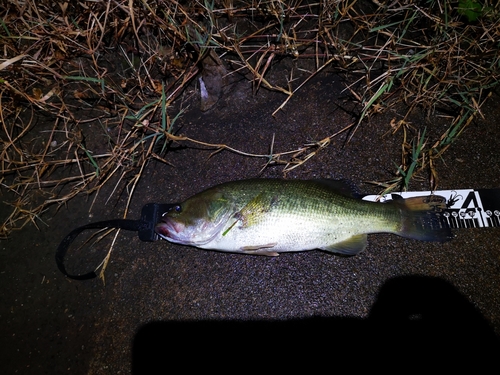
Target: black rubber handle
150,215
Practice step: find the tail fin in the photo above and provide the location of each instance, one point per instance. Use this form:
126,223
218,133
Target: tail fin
425,226
421,221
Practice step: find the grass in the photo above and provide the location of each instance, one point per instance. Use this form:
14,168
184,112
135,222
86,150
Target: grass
124,64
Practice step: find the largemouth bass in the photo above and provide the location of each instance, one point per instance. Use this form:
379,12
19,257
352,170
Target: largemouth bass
269,216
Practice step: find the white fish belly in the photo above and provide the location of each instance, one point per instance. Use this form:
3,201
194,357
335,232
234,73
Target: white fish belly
289,232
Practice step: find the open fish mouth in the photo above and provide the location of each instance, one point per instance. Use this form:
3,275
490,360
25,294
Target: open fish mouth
177,232
171,230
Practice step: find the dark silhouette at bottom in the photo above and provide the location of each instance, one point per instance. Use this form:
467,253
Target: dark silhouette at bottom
417,324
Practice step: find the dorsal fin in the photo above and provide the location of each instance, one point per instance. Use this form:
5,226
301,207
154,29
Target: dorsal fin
342,187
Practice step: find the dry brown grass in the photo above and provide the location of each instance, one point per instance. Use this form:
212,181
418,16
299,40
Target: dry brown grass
122,64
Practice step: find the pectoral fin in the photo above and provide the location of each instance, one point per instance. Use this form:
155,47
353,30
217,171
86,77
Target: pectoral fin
253,211
352,246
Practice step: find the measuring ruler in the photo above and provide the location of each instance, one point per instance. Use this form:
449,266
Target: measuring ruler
460,208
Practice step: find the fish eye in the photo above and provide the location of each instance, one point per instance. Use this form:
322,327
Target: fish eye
177,208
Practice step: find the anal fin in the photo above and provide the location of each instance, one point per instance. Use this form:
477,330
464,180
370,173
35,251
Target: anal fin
351,246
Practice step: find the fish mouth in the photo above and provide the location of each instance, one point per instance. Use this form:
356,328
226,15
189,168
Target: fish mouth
170,230
177,232
195,234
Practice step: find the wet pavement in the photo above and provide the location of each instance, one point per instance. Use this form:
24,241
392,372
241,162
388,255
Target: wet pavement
165,306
